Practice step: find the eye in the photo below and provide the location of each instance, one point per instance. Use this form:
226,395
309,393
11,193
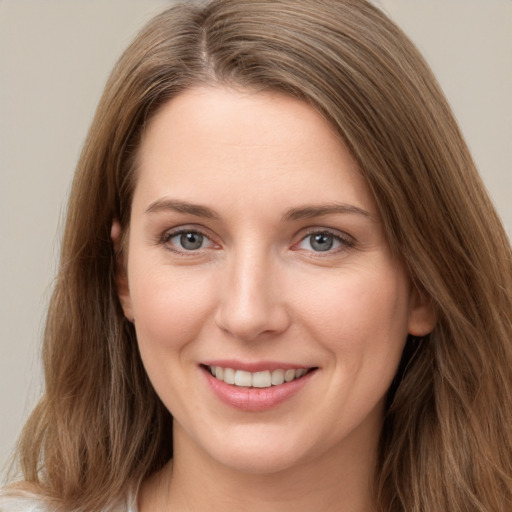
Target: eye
324,241
321,241
187,240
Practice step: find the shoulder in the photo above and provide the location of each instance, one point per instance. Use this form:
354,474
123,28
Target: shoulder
21,503
26,502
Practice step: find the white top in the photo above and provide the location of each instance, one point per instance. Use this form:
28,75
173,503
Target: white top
30,503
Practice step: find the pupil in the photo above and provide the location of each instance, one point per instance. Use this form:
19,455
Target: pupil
191,241
321,242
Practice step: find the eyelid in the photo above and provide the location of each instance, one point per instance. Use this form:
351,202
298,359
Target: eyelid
170,233
346,240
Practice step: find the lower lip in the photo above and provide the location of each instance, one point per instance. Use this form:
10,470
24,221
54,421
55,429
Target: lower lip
255,399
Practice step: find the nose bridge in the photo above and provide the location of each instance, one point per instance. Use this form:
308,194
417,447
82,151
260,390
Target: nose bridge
251,302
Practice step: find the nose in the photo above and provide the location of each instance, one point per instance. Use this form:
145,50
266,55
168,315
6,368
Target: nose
252,305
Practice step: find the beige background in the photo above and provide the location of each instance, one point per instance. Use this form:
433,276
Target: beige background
55,56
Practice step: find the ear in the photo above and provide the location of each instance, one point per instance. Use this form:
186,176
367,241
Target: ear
122,288
422,316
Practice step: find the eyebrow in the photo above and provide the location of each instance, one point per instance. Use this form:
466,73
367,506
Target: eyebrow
310,211
181,207
301,212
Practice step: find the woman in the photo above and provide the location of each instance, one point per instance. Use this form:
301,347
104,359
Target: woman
282,283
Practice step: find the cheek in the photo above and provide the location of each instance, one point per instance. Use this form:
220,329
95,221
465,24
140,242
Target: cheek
170,307
171,310
358,313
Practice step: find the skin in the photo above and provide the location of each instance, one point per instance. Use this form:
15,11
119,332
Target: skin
257,289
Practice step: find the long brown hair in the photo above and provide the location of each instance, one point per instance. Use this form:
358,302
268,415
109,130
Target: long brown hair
447,438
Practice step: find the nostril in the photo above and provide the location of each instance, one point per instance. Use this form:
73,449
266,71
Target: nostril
252,321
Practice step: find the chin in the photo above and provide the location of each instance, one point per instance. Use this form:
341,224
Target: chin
258,462
258,453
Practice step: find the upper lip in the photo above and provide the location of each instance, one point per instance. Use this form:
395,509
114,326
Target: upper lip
255,366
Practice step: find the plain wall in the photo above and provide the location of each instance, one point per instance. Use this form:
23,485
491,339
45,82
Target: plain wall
55,56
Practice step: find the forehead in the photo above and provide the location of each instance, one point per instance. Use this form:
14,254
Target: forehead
221,143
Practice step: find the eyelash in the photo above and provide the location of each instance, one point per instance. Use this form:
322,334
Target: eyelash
344,240
169,235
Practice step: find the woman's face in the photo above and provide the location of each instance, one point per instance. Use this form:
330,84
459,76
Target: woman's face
256,252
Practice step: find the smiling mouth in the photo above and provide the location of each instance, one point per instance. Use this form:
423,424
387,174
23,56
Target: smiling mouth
263,379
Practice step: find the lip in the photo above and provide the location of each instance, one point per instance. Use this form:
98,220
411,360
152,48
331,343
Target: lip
255,399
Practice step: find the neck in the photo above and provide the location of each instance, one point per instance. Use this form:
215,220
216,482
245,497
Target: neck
338,481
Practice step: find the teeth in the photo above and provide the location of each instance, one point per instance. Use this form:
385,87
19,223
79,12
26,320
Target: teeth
243,378
229,376
264,379
261,380
277,377
289,375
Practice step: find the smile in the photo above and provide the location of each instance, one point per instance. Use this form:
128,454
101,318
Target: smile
262,379
256,387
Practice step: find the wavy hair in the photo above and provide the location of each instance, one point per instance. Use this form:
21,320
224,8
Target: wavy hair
446,444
